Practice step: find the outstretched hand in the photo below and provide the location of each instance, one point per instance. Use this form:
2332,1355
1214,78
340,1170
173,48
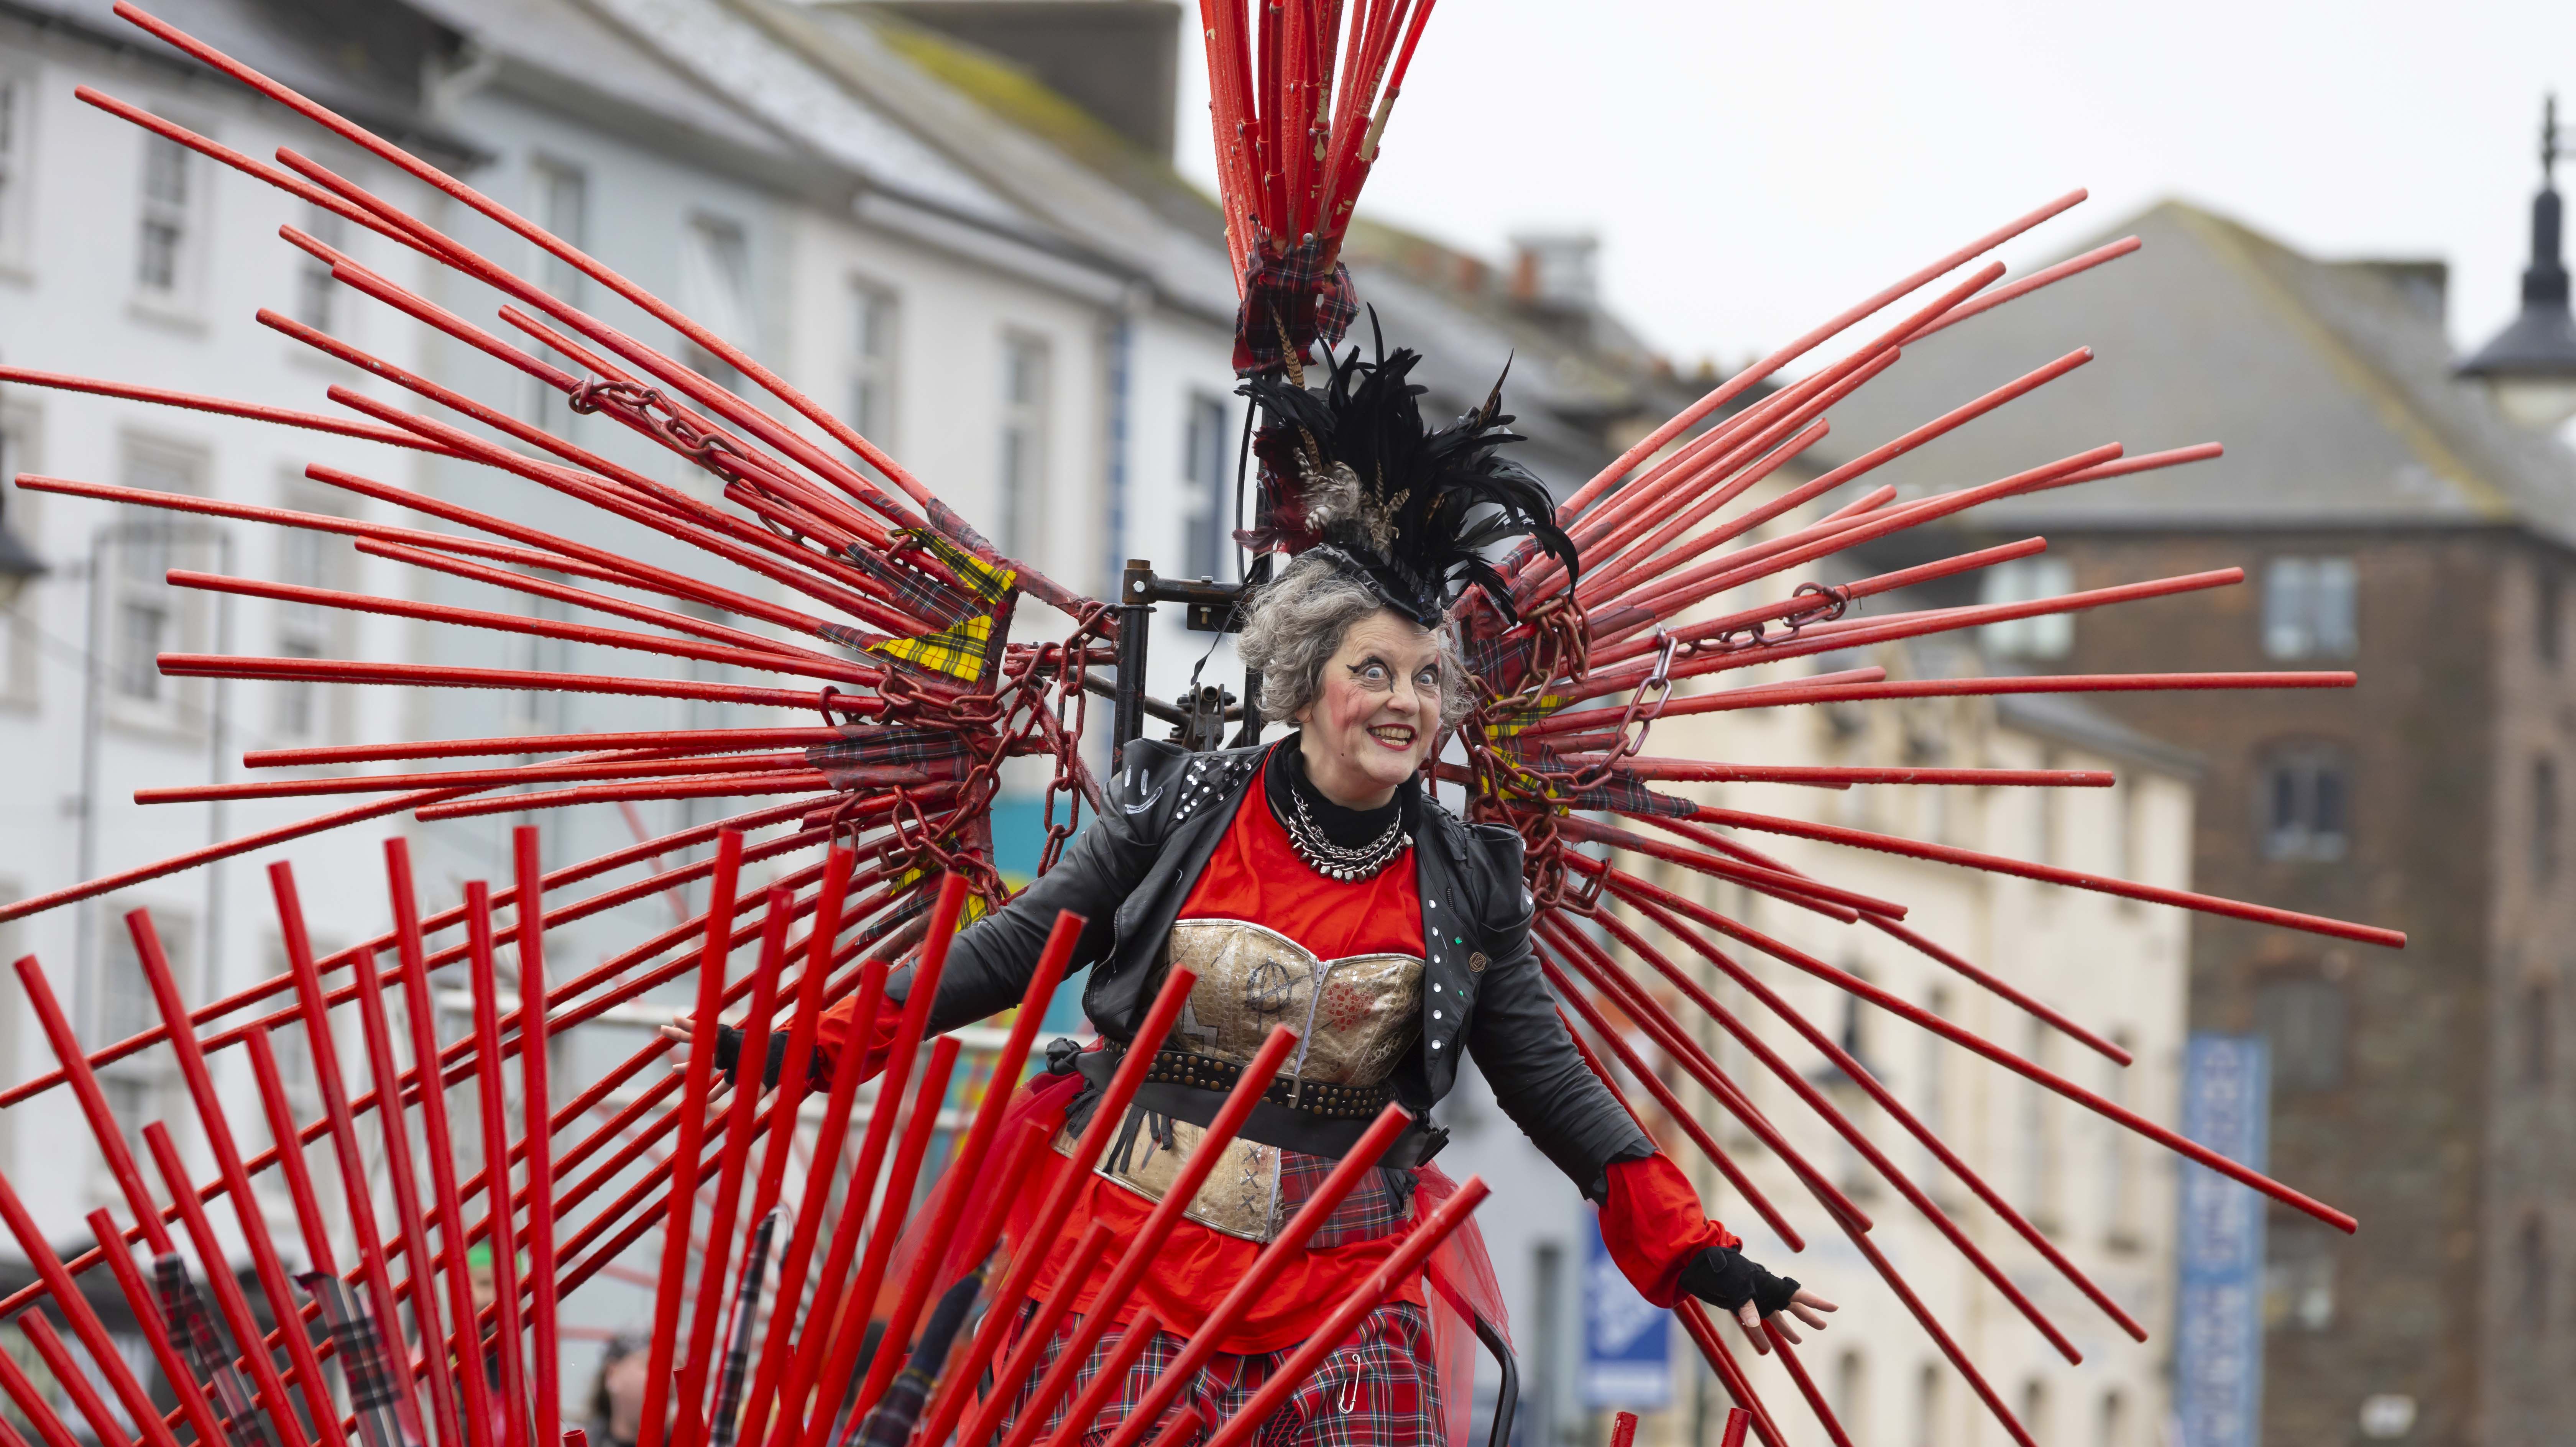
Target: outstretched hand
1806,1307
678,1032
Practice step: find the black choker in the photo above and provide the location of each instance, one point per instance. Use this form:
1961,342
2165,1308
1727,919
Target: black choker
1315,824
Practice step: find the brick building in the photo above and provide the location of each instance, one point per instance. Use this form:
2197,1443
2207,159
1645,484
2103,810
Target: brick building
2392,518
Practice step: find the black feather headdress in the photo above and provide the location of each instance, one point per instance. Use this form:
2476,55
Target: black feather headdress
1350,471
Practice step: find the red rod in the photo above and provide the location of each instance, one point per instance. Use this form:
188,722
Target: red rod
422,1286
1788,1355
492,1108
1697,771
1029,1254
69,1300
2033,282
283,1304
693,741
1606,972
139,1299
911,1026
477,778
1293,1373
704,1022
1703,1334
33,1405
828,1144
968,1165
1853,984
439,1142
1819,690
720,786
103,1126
858,1305
1146,1247
340,670
332,1086
957,1391
225,1286
794,1075
717,1258
75,1383
535,1095
1286,1247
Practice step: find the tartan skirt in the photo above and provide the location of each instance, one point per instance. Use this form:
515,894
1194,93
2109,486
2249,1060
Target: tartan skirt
1376,1389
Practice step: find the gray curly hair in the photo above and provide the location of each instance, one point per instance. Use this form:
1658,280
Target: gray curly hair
1295,626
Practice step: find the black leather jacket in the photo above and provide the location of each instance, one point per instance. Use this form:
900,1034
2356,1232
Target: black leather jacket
1130,872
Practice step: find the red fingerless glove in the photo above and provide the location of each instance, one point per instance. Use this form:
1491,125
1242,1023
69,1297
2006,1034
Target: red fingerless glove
1653,1225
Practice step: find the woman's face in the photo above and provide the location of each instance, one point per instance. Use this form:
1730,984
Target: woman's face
1375,712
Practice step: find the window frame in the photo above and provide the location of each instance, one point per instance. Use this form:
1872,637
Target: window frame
299,630
1021,437
176,707
22,446
189,217
1206,468
2023,580
2304,835
18,91
2297,589
874,361
550,178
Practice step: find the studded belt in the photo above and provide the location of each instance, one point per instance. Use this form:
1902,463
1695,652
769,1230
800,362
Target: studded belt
1317,1098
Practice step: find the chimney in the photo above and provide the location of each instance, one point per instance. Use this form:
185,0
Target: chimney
1557,271
1116,59
2530,366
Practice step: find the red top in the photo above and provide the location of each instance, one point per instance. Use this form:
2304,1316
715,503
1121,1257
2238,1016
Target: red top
1651,1222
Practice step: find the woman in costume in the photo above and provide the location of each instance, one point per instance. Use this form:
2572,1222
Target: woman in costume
1314,882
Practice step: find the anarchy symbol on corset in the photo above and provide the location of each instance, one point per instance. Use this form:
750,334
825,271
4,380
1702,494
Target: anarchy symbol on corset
1267,990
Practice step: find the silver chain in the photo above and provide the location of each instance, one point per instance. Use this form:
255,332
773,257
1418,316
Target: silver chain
1332,860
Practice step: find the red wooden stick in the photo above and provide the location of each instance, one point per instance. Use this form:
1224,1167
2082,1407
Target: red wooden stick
701,1079
75,1307
466,1341
225,1286
1787,1352
492,1109
146,1308
535,1101
1283,1249
75,1384
693,741
1293,1373
968,1165
1029,1254
699,1360
103,1126
32,1405
957,1390
1712,1349
1143,1250
284,1305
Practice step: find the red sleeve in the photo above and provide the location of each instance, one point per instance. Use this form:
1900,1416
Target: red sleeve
1654,1227
839,1026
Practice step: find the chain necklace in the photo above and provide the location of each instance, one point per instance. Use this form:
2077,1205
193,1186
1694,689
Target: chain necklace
1332,860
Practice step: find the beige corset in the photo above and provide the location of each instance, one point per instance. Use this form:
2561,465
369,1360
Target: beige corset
1355,1018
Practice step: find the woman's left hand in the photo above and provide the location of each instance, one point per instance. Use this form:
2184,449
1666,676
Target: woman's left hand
1806,1306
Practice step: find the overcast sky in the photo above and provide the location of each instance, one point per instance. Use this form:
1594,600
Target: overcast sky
1752,168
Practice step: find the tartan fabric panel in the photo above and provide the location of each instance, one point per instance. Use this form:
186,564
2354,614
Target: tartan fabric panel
874,744
1375,1390
191,1327
1378,1206
374,1390
916,592
989,582
958,652
1292,288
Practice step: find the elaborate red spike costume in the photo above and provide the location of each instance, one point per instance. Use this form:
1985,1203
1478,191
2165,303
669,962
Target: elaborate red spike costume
1292,944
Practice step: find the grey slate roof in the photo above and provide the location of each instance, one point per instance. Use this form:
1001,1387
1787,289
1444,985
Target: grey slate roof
2329,382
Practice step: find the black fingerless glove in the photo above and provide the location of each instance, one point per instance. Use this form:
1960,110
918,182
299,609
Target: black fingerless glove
729,1055
1724,1277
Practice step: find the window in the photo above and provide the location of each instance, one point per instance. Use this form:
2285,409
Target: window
2034,1410
1928,1388
2308,608
559,201
19,437
2305,808
1022,481
2119,1152
2049,635
141,616
2549,605
302,708
317,296
1851,1395
2544,820
17,98
873,318
2305,1020
1209,520
2112,1429
163,263
715,291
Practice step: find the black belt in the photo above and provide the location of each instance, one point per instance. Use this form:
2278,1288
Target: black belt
1323,1120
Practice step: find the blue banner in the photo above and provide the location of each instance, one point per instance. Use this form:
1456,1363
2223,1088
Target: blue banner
1627,1340
2218,1338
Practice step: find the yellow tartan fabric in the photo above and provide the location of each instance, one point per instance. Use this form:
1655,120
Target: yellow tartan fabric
958,652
